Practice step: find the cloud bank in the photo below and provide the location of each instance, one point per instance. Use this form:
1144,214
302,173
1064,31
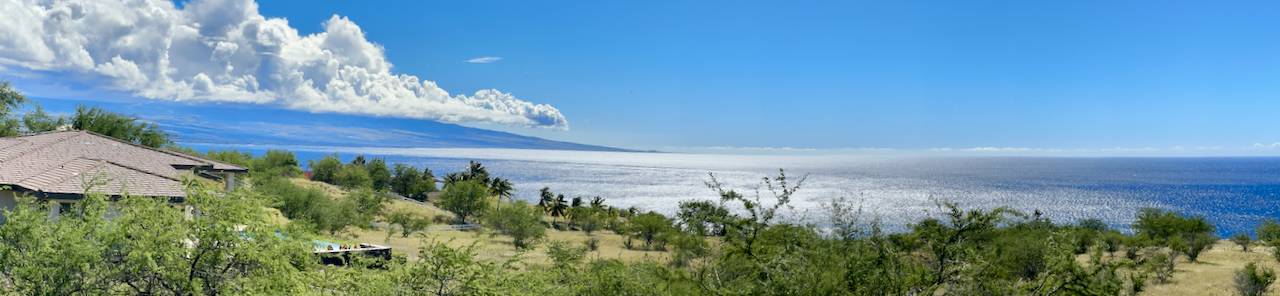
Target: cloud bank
225,51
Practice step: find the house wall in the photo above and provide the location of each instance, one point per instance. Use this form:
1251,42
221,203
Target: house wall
7,201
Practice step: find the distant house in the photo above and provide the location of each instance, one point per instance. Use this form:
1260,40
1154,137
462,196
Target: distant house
60,166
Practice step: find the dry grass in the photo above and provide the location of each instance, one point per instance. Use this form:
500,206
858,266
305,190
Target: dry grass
488,246
1215,273
498,247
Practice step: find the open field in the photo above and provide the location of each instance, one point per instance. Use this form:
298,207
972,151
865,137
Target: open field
488,245
1215,273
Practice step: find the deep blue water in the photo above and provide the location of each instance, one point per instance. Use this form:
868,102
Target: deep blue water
1234,193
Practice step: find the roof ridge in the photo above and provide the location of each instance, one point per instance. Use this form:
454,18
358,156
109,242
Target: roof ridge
139,170
41,147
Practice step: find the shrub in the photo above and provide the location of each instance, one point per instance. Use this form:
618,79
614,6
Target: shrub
379,174
688,247
1243,241
587,219
1269,230
565,256
465,199
308,205
1160,226
408,181
368,204
1189,235
649,227
702,217
326,169
1196,244
353,176
1254,281
408,221
279,163
518,220
119,126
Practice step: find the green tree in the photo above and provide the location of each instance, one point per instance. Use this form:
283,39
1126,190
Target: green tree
476,171
1188,235
558,208
465,199
587,219
518,220
126,128
702,217
368,205
502,188
950,239
38,121
243,159
10,99
353,176
281,163
379,175
1268,230
545,199
326,169
649,227
408,221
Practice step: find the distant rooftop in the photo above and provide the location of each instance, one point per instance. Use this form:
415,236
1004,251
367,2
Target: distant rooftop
62,164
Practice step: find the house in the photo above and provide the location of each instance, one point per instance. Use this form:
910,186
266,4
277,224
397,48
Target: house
61,166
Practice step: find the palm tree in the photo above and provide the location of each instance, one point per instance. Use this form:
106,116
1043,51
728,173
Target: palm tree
476,171
501,187
453,178
545,199
558,208
597,202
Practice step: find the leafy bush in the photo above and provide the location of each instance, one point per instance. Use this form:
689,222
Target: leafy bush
702,217
465,199
119,126
408,221
352,176
649,227
1254,281
279,163
408,181
519,220
310,205
325,169
1189,235
379,174
563,255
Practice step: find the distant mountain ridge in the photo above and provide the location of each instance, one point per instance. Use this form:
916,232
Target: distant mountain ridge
257,125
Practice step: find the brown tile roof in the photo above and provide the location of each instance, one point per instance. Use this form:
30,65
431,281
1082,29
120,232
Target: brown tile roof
68,162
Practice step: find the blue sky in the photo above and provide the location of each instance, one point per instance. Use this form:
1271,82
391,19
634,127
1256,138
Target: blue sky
837,74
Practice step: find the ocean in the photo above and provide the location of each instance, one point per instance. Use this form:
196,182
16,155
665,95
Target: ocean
1234,193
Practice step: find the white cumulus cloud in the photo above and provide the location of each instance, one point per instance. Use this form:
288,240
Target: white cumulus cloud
484,60
226,51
